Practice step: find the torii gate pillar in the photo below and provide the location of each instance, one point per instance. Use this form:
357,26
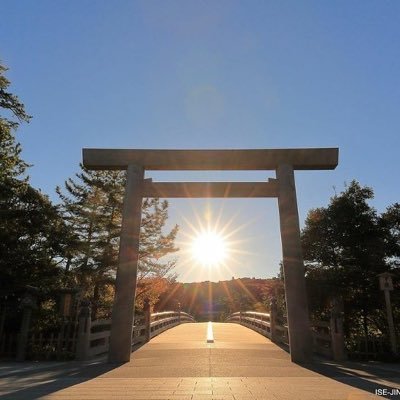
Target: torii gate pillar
300,341
125,285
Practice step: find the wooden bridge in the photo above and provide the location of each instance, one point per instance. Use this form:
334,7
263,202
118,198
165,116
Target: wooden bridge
94,337
182,363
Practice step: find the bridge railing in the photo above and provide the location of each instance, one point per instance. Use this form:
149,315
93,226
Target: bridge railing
322,340
328,338
264,323
99,337
160,322
94,336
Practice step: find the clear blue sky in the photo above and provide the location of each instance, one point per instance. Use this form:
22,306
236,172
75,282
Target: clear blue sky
212,74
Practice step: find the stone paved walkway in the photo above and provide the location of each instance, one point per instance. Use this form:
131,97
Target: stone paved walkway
180,365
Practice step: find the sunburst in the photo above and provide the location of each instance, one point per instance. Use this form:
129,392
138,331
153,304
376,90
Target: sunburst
212,242
209,248
212,247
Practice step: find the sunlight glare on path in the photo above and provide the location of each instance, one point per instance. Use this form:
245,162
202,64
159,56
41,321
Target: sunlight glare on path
210,334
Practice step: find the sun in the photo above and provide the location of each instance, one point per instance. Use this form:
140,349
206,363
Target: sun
212,245
209,248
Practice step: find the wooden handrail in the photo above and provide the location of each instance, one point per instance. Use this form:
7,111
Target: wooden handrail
159,322
264,323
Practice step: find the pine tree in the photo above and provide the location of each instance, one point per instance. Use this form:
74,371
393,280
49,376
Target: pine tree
92,207
11,164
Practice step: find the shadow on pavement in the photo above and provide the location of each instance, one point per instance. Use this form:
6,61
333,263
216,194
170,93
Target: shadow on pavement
30,381
368,376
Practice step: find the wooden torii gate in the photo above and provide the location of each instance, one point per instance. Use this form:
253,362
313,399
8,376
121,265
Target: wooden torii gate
283,161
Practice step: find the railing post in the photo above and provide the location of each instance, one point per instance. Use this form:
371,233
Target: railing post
336,330
28,303
240,317
179,313
273,320
84,330
147,318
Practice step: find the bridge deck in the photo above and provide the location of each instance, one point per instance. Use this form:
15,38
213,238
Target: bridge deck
179,364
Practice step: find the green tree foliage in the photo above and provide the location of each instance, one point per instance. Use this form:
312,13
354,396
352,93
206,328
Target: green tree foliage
390,221
30,226
345,246
30,239
92,207
11,164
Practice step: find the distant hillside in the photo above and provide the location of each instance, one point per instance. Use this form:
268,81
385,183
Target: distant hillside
215,300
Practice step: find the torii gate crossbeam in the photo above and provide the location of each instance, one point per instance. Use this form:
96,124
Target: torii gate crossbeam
283,161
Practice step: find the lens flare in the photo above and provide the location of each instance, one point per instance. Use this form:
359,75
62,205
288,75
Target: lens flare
209,248
211,245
